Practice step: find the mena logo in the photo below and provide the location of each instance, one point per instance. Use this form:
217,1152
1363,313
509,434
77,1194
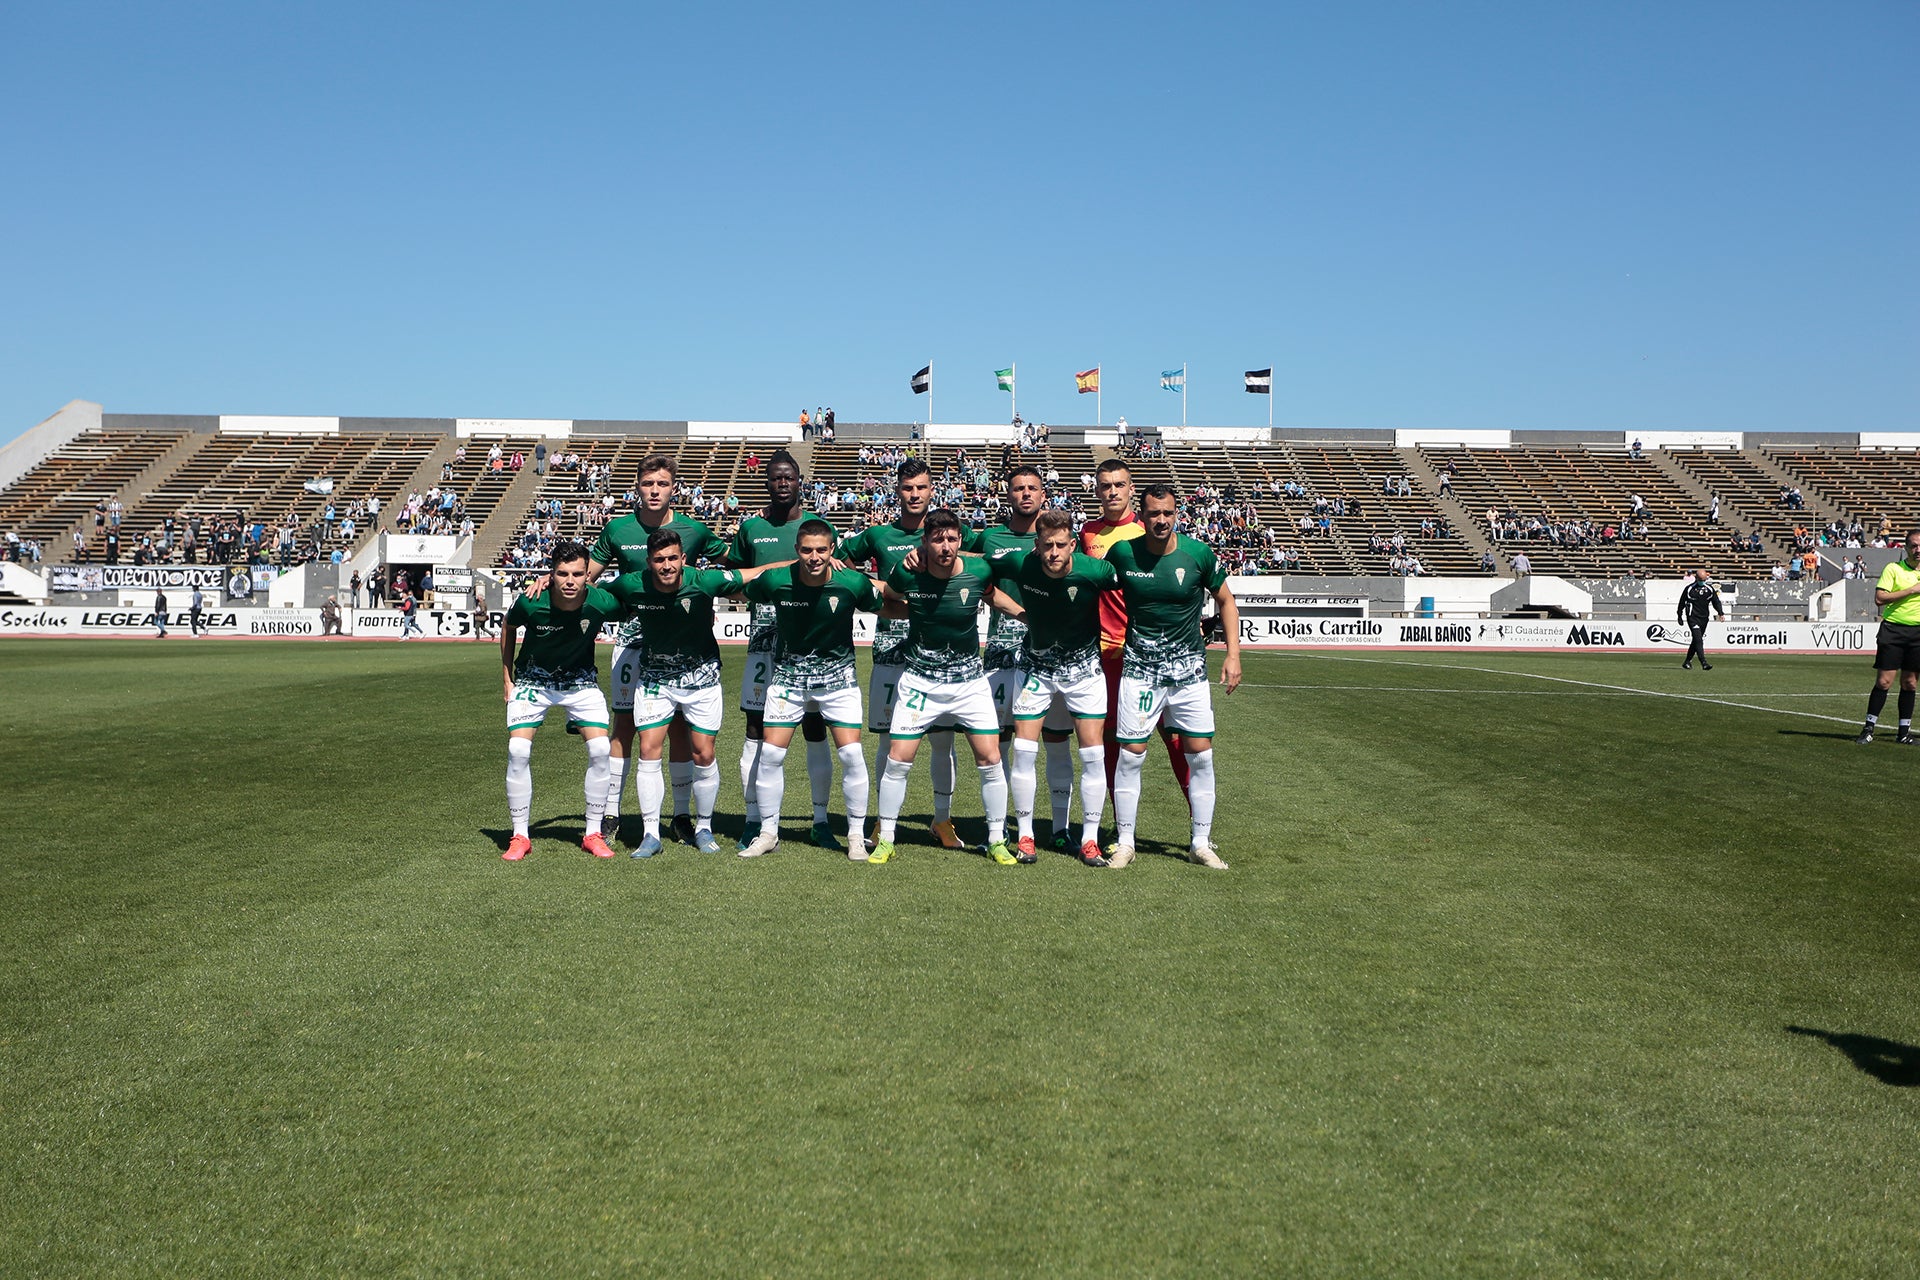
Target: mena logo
1582,636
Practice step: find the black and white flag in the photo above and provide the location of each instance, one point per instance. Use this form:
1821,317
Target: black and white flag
1260,382
923,381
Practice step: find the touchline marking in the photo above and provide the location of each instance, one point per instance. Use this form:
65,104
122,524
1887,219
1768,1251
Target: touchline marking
1513,693
1591,684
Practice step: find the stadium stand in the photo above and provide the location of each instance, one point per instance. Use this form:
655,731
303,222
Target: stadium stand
1570,510
58,496
1873,486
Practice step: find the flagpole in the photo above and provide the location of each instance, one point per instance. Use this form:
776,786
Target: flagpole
1014,390
1099,419
1183,393
1270,396
930,393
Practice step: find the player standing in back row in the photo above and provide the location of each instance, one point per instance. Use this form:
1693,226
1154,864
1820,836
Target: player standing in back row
767,537
1166,578
1898,595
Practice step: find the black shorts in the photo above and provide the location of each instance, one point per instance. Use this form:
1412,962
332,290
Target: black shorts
1899,647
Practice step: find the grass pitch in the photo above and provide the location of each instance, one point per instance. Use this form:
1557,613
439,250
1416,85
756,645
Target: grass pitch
1510,975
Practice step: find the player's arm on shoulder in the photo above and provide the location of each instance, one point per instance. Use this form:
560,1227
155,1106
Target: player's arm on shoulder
1007,604
748,575
1230,623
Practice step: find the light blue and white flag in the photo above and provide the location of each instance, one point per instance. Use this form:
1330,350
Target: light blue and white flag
1173,380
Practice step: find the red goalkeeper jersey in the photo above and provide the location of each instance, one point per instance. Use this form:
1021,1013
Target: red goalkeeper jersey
1095,537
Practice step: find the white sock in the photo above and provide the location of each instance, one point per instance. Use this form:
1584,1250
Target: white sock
649,790
940,742
893,794
706,791
1126,793
1093,790
599,750
1022,760
853,786
616,786
519,782
1200,793
820,776
993,794
770,778
749,763
1060,783
681,772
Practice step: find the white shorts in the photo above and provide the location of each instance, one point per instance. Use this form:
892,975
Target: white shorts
626,666
924,704
586,705
882,686
1006,684
1188,709
787,705
1062,701
755,674
657,703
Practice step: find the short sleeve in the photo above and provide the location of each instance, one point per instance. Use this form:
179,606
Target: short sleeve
899,578
760,590
973,539
853,548
740,551
1889,580
517,612
718,582
1104,575
1007,567
602,552
865,597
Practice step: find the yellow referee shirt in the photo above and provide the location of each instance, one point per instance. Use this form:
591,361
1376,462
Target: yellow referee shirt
1897,577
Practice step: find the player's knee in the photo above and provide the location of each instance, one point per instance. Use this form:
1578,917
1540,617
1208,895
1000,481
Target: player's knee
598,749
772,757
519,750
851,759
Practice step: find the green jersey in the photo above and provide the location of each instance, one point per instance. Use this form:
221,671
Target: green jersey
943,619
1063,614
814,625
622,545
558,649
1164,594
760,541
886,545
1004,635
676,644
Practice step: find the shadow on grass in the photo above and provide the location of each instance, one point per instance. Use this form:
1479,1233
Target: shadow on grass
566,826
1887,1061
1808,733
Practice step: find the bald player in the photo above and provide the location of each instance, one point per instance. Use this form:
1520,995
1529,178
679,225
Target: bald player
1898,644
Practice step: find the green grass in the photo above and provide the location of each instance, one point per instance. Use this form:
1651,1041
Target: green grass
1501,982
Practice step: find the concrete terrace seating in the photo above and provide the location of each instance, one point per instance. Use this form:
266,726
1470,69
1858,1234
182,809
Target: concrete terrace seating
1862,484
1749,494
1561,484
61,490
264,476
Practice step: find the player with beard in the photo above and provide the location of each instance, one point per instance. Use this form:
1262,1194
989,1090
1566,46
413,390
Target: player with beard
1166,577
886,547
1117,523
768,537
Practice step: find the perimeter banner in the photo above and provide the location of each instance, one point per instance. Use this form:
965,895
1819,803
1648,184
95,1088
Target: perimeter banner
136,577
1529,633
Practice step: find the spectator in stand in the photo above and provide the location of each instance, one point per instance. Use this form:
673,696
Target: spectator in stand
1636,452
1522,566
539,459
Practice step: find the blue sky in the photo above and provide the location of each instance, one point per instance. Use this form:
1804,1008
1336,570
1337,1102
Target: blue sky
1603,216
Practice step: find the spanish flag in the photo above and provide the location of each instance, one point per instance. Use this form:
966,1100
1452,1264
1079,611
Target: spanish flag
1088,381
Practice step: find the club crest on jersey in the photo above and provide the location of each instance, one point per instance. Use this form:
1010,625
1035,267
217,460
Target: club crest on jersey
964,593
686,604
1073,593
585,623
833,604
1180,576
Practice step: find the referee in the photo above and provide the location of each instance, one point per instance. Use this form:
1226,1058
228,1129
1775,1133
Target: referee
1696,598
1898,595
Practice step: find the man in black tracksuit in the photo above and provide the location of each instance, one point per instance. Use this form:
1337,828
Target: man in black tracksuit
1696,598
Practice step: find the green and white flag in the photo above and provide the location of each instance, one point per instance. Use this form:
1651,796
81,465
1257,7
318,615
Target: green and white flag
1005,378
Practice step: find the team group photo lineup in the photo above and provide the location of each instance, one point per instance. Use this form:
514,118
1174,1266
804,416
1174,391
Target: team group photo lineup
1095,642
